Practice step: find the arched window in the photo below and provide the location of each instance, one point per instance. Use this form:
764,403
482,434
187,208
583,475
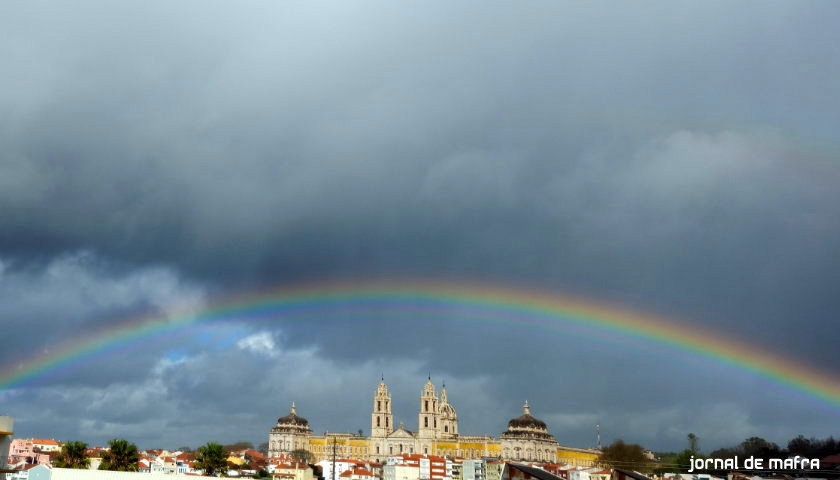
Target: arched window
425,421
377,421
379,405
427,406
386,421
446,428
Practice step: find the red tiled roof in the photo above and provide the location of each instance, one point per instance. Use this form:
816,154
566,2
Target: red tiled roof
43,441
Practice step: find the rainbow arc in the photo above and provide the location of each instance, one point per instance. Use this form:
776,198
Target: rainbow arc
457,300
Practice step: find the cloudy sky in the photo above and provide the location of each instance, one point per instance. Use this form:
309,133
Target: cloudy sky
677,158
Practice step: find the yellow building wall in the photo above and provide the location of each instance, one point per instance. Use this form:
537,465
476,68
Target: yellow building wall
576,457
355,447
360,448
445,448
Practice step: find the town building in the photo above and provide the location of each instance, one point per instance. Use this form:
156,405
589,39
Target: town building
526,438
7,429
473,470
46,444
23,452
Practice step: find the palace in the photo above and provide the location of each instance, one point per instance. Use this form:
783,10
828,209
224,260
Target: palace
526,438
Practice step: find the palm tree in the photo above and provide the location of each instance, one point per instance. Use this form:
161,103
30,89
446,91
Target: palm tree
692,442
211,458
121,456
72,455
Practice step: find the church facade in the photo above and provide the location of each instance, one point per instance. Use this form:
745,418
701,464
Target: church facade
526,438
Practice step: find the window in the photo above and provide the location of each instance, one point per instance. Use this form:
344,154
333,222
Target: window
446,428
379,405
427,407
425,421
386,421
377,421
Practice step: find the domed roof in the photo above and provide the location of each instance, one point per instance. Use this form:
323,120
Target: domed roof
447,410
293,419
526,420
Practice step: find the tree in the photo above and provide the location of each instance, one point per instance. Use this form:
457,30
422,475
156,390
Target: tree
263,448
625,456
813,447
692,442
121,456
301,455
211,458
760,448
72,455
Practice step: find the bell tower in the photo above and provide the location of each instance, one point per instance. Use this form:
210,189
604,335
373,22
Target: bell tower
428,416
447,417
381,420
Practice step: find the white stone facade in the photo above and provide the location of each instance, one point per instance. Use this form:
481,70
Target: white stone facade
526,438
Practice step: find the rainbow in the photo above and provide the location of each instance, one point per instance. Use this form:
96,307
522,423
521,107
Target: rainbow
486,304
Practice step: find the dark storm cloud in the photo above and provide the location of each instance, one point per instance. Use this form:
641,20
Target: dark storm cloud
678,158
46,308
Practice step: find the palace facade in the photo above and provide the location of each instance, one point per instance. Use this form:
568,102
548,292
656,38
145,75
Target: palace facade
526,438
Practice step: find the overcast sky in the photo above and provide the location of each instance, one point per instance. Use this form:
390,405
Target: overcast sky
678,158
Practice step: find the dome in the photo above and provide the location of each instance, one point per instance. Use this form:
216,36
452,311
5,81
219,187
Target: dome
293,419
447,410
526,421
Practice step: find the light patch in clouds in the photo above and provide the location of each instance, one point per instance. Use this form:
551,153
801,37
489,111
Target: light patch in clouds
93,284
261,343
73,296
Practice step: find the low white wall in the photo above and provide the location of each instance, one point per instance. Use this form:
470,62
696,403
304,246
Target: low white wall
74,474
